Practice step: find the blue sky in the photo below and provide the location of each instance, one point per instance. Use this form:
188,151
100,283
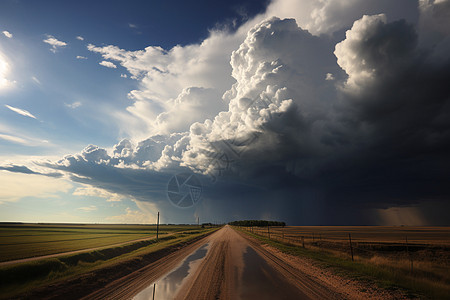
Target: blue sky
282,109
51,85
56,102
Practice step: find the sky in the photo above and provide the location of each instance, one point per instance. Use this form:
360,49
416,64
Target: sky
308,112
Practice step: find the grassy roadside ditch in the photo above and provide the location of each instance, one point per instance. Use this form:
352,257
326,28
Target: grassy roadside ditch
418,285
25,277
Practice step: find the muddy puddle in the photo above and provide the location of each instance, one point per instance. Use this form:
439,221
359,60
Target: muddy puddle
168,285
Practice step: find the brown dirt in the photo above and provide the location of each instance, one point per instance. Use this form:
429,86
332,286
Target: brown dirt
220,276
236,266
226,269
348,288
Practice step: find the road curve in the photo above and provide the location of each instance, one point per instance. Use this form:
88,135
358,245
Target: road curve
224,265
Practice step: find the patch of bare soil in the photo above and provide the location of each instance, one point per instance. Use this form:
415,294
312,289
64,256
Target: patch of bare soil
348,288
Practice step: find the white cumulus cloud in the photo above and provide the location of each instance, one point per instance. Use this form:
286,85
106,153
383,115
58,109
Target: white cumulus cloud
55,43
327,17
316,100
165,75
107,64
7,34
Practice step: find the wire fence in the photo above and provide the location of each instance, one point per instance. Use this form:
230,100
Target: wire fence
399,244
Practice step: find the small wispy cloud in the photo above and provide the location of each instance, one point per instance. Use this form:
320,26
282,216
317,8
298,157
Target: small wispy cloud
13,139
329,77
74,104
35,79
55,43
124,75
107,64
8,34
80,38
132,25
88,208
22,112
97,192
26,170
81,57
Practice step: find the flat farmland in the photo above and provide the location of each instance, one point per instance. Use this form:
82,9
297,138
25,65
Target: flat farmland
18,241
36,256
374,242
368,234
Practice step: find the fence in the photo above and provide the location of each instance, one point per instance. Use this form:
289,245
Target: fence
364,243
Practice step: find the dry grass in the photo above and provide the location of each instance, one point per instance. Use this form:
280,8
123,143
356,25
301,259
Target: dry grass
379,252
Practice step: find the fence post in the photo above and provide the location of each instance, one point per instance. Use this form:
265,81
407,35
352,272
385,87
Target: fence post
313,237
157,228
409,254
268,231
303,241
351,247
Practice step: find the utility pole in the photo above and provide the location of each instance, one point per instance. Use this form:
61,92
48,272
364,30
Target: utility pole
198,221
157,228
351,247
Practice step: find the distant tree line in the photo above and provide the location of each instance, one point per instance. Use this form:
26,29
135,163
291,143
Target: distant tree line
209,225
260,223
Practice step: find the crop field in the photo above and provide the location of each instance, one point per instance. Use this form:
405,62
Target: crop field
370,242
369,234
103,247
19,241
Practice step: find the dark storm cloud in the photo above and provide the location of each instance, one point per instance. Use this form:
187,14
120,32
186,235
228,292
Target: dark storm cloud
384,143
398,116
317,131
95,167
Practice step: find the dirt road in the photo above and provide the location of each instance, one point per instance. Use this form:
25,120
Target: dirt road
224,265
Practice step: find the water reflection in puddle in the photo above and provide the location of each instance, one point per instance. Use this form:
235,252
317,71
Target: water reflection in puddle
260,281
167,287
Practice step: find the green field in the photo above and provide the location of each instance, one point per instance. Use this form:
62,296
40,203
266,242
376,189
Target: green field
19,241
28,240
